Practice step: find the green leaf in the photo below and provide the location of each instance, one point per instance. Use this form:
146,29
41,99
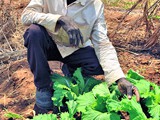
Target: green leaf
75,89
143,87
90,82
155,111
114,92
58,97
61,79
72,107
13,115
91,114
63,88
100,104
101,90
60,94
153,104
66,116
45,117
79,79
133,108
84,100
113,105
155,88
134,75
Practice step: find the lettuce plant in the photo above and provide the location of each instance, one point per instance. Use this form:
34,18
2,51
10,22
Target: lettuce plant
95,101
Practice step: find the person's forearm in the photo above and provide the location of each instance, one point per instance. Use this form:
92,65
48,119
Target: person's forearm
48,20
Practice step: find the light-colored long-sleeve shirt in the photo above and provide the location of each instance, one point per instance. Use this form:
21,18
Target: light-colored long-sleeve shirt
89,17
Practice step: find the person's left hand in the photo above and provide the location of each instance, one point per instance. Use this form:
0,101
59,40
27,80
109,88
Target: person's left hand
127,88
74,34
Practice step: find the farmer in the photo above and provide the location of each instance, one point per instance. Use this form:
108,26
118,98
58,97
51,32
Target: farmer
73,32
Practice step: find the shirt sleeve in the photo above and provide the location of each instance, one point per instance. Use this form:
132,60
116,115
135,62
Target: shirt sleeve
33,13
105,51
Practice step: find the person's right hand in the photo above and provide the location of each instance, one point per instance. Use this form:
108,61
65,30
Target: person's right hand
127,88
72,30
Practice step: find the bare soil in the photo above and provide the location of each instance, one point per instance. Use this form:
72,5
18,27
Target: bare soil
17,90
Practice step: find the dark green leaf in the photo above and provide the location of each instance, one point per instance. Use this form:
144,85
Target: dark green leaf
133,108
90,83
100,104
134,75
79,79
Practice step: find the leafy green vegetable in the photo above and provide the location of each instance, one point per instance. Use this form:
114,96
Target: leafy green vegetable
134,75
100,104
143,87
114,92
84,100
63,88
113,105
90,83
133,108
154,111
85,84
101,90
150,92
66,116
91,114
97,102
13,115
153,101
71,88
79,79
45,117
72,107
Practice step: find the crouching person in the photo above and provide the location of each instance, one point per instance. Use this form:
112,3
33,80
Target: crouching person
73,32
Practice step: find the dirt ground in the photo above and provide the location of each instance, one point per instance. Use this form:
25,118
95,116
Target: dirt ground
17,90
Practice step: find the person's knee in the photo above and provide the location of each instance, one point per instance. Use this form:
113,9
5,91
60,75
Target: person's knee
34,34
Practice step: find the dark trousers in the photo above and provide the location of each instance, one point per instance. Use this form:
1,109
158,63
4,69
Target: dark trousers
41,49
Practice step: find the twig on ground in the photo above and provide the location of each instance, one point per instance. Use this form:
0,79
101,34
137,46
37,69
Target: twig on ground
153,39
153,7
145,14
4,100
124,16
8,71
122,49
7,40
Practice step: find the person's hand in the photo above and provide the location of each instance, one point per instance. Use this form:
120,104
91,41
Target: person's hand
72,30
127,88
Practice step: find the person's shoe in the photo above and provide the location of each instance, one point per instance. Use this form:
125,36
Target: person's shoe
44,103
39,110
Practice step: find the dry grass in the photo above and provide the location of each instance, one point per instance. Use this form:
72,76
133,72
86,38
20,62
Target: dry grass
11,34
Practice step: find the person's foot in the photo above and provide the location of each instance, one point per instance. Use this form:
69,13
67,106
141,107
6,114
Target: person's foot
44,103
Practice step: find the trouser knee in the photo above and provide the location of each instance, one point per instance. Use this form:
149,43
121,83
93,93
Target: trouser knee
35,34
